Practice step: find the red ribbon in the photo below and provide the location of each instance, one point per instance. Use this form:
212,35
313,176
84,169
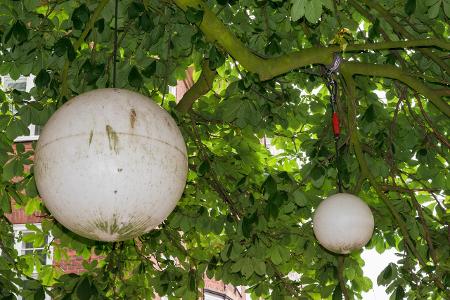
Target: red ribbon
336,128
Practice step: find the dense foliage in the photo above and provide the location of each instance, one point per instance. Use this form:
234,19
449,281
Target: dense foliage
257,127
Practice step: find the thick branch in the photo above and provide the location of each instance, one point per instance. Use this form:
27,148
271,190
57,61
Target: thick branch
201,87
215,31
393,72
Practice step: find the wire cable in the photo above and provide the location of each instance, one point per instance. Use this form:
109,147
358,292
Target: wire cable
116,10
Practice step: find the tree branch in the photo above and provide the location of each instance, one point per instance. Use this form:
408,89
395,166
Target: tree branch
351,90
267,68
201,87
341,277
215,31
388,71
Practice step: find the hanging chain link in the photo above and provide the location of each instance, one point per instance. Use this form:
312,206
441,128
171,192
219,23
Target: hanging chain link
332,86
116,11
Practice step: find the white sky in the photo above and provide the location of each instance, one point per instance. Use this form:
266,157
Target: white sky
375,263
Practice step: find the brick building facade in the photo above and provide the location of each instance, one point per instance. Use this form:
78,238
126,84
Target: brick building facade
213,290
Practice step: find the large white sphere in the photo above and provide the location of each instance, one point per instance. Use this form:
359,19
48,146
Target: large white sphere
343,223
110,164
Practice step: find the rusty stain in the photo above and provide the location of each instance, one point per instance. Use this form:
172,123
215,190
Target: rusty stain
113,139
132,117
91,135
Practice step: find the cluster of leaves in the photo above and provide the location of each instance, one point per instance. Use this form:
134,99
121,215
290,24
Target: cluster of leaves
261,153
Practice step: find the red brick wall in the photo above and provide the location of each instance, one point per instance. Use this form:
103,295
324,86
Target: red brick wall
73,265
18,216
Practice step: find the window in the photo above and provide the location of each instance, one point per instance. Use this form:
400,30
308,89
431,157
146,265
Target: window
213,296
28,248
23,84
24,247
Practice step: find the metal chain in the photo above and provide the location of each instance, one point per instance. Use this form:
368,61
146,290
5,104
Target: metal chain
116,11
332,87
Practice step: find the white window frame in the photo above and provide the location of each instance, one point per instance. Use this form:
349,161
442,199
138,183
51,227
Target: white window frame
29,84
173,90
21,228
212,295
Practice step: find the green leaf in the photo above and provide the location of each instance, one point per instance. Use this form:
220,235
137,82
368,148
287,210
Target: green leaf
216,59
300,198
150,69
135,9
5,203
85,290
64,46
369,116
39,294
17,128
100,25
192,281
135,78
225,253
275,256
260,267
433,11
30,188
374,30
80,16
270,185
317,175
236,267
194,15
42,79
20,31
247,267
298,9
12,169
446,4
248,224
410,7
337,293
313,10
399,293
33,205
145,22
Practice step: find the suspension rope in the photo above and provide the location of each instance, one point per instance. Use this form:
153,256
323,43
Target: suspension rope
332,87
116,10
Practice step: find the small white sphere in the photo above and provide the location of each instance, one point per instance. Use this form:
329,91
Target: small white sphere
343,223
110,164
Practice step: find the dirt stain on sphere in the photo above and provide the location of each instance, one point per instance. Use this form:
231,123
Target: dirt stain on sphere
91,135
132,117
115,230
113,139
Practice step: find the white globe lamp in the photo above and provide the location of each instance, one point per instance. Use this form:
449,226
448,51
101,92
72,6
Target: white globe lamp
110,164
343,223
